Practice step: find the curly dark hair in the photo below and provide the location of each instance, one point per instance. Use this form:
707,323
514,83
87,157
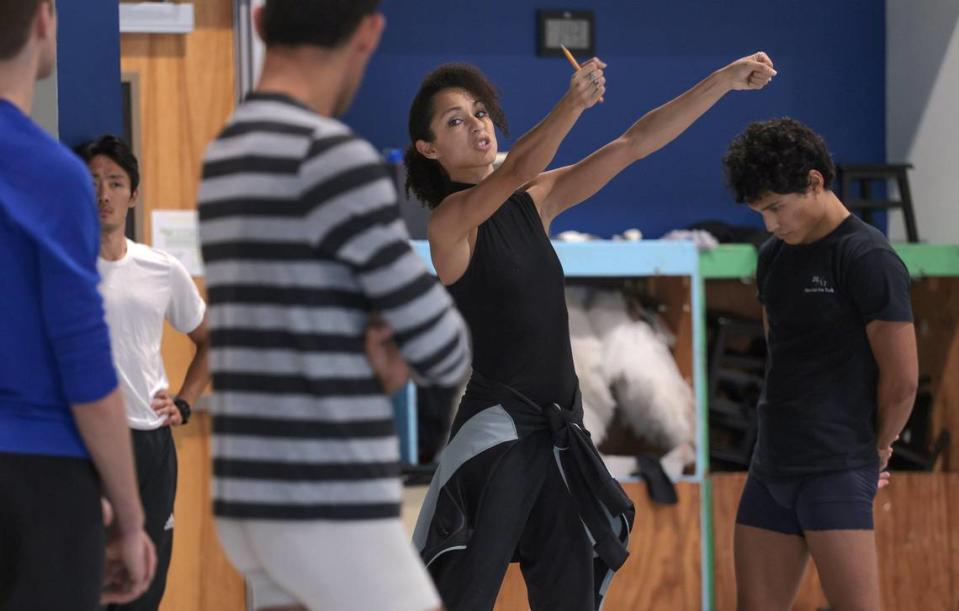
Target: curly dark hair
115,149
775,157
425,177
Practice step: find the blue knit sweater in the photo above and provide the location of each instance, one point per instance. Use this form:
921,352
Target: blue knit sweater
54,344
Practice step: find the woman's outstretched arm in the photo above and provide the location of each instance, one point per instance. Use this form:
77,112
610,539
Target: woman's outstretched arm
563,188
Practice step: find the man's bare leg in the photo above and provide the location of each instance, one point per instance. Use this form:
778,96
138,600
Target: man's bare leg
848,567
769,568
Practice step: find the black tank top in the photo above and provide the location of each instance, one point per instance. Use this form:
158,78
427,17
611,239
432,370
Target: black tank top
512,297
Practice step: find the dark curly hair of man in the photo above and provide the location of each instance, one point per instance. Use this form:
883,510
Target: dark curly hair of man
775,157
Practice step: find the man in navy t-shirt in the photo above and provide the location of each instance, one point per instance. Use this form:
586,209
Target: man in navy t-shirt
63,433
841,375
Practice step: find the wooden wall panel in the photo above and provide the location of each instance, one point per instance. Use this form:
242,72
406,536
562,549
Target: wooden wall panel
735,297
663,569
184,582
952,490
946,406
675,294
186,94
726,487
935,303
222,588
201,577
912,519
916,520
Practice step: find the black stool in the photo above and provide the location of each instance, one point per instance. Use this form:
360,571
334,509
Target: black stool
737,362
865,175
916,450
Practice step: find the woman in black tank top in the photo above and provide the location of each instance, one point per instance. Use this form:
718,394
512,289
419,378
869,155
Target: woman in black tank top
489,241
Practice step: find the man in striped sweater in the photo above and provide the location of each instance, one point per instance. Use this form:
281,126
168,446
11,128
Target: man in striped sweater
304,248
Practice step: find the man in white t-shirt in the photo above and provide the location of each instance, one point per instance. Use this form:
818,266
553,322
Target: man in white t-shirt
143,287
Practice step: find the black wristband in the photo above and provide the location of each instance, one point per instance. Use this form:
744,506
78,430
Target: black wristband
184,409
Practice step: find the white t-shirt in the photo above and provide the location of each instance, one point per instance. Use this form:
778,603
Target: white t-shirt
140,291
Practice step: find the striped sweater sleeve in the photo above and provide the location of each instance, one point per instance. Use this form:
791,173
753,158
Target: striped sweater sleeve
357,222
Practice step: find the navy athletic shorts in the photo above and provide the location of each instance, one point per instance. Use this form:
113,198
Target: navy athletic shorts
51,533
841,500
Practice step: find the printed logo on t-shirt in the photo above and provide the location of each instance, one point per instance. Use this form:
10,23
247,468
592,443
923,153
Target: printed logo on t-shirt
819,284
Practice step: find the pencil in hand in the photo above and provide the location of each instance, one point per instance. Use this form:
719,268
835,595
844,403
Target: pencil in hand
569,56
574,63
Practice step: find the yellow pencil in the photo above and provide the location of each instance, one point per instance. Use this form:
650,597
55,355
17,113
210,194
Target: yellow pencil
572,60
569,56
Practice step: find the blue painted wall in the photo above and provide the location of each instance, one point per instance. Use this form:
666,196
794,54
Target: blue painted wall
88,70
830,56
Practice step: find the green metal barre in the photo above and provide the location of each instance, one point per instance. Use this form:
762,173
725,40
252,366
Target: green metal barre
739,260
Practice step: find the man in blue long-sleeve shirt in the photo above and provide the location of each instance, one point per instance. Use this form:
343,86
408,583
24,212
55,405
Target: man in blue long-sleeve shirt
63,432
